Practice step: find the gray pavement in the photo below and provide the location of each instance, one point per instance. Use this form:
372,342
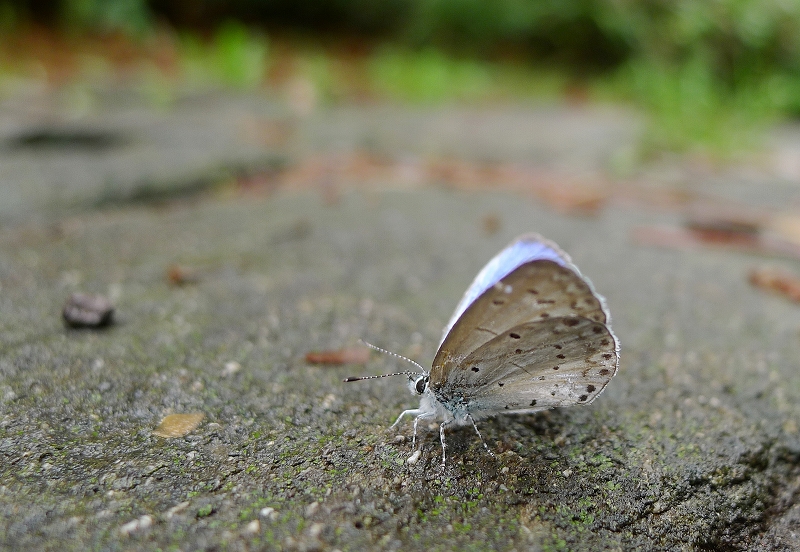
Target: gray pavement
694,444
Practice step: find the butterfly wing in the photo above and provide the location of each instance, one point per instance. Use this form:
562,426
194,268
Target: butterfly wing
534,366
526,248
545,296
537,290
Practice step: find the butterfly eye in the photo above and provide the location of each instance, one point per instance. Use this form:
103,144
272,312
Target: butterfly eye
420,384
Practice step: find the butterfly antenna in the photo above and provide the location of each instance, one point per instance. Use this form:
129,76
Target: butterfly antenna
401,357
359,378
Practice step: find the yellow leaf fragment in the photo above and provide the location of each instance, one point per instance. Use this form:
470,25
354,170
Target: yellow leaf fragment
178,425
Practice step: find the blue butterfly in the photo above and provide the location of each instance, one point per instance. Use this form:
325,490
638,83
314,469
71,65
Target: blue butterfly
529,334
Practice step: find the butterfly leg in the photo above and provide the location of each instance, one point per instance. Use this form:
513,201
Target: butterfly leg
419,415
480,436
441,437
412,412
416,422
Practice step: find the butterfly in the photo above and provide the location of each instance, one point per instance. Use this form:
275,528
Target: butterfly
530,334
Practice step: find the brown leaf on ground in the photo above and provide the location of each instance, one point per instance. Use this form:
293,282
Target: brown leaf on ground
573,199
715,223
491,223
338,357
776,280
682,238
178,276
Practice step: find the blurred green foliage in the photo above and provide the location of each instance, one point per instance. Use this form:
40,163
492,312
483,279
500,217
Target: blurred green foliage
428,76
707,70
132,16
234,56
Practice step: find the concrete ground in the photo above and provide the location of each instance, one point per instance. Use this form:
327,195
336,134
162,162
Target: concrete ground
694,444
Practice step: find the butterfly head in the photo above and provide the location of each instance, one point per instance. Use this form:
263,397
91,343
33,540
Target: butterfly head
419,383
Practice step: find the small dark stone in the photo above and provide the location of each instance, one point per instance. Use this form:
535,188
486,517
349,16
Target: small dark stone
84,310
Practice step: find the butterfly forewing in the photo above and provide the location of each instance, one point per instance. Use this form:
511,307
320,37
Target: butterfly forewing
526,248
535,366
536,291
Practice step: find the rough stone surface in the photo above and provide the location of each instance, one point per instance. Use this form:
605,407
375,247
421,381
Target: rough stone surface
694,444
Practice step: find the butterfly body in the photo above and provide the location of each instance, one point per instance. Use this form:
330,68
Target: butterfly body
529,334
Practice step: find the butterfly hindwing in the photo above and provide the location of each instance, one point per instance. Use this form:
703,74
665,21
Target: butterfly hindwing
535,366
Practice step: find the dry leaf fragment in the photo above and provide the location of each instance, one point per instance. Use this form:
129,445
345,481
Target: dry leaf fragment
178,275
573,199
178,425
338,357
727,227
776,280
491,223
685,238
